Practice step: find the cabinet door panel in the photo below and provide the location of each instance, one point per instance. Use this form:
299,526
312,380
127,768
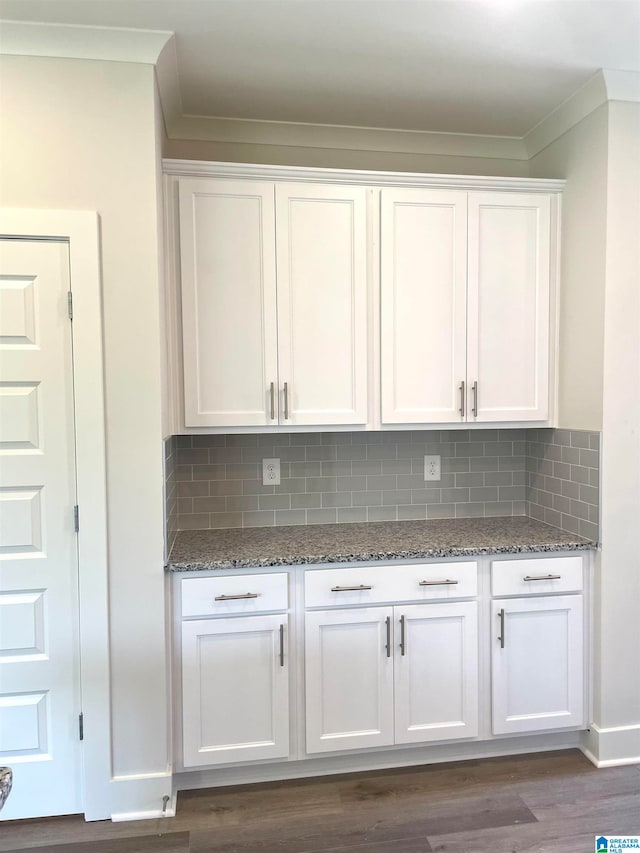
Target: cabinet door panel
349,680
322,303
227,234
235,690
508,317
436,679
423,303
537,678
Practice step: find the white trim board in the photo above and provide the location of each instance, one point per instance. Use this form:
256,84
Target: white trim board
202,168
81,230
610,747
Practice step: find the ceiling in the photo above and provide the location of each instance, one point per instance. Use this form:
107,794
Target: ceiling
495,67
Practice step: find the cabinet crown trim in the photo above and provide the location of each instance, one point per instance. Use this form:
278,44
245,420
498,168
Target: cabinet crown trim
201,168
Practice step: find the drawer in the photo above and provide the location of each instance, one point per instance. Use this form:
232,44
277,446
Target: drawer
369,585
532,577
240,594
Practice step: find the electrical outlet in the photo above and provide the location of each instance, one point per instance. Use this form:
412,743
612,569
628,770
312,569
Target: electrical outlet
432,468
270,472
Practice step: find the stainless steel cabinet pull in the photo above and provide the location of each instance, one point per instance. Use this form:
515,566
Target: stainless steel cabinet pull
446,582
403,639
272,392
462,400
286,401
350,588
388,646
541,577
236,597
475,399
282,645
501,637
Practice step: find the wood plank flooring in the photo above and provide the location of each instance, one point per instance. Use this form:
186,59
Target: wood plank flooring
544,803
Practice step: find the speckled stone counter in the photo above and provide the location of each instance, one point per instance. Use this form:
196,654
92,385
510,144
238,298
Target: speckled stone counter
255,547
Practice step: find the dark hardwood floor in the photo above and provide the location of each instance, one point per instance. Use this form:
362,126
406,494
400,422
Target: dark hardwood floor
545,803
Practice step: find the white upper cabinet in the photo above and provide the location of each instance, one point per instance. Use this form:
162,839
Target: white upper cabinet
261,349
465,306
321,239
227,254
423,304
508,334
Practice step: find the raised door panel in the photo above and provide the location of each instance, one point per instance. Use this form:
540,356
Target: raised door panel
349,679
508,319
436,673
235,690
322,303
228,280
537,667
423,304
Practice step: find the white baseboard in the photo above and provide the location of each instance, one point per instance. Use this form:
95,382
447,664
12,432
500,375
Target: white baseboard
141,797
612,747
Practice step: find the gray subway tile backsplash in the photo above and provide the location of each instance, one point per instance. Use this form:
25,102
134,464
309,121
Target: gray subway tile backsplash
214,481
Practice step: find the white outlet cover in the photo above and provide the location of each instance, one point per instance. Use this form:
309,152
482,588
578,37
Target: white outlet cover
432,468
270,472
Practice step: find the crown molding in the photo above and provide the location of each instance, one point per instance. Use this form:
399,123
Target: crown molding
168,80
300,135
201,168
605,85
67,41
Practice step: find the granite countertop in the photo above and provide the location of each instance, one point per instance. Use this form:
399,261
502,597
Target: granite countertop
255,547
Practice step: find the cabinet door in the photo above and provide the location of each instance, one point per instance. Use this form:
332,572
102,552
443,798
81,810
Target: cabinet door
436,672
227,254
423,304
322,303
508,319
537,668
235,690
349,679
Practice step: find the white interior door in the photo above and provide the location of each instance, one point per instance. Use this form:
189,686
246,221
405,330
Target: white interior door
39,661
228,281
322,303
508,320
423,244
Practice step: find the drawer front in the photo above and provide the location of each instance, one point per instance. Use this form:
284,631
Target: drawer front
240,594
367,585
532,577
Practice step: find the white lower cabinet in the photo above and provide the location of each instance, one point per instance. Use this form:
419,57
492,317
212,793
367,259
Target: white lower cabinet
537,664
379,676
235,689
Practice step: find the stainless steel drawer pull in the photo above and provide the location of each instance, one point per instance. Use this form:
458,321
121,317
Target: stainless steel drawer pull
501,637
388,646
446,582
272,392
475,400
541,577
462,400
236,597
403,638
286,401
350,588
281,645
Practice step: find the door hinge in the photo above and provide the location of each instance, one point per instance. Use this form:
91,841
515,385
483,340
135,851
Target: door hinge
70,304
76,518
81,725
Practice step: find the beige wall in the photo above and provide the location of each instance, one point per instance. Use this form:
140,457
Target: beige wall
580,157
618,638
81,135
334,158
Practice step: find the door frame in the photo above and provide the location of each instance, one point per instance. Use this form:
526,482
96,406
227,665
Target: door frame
81,231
